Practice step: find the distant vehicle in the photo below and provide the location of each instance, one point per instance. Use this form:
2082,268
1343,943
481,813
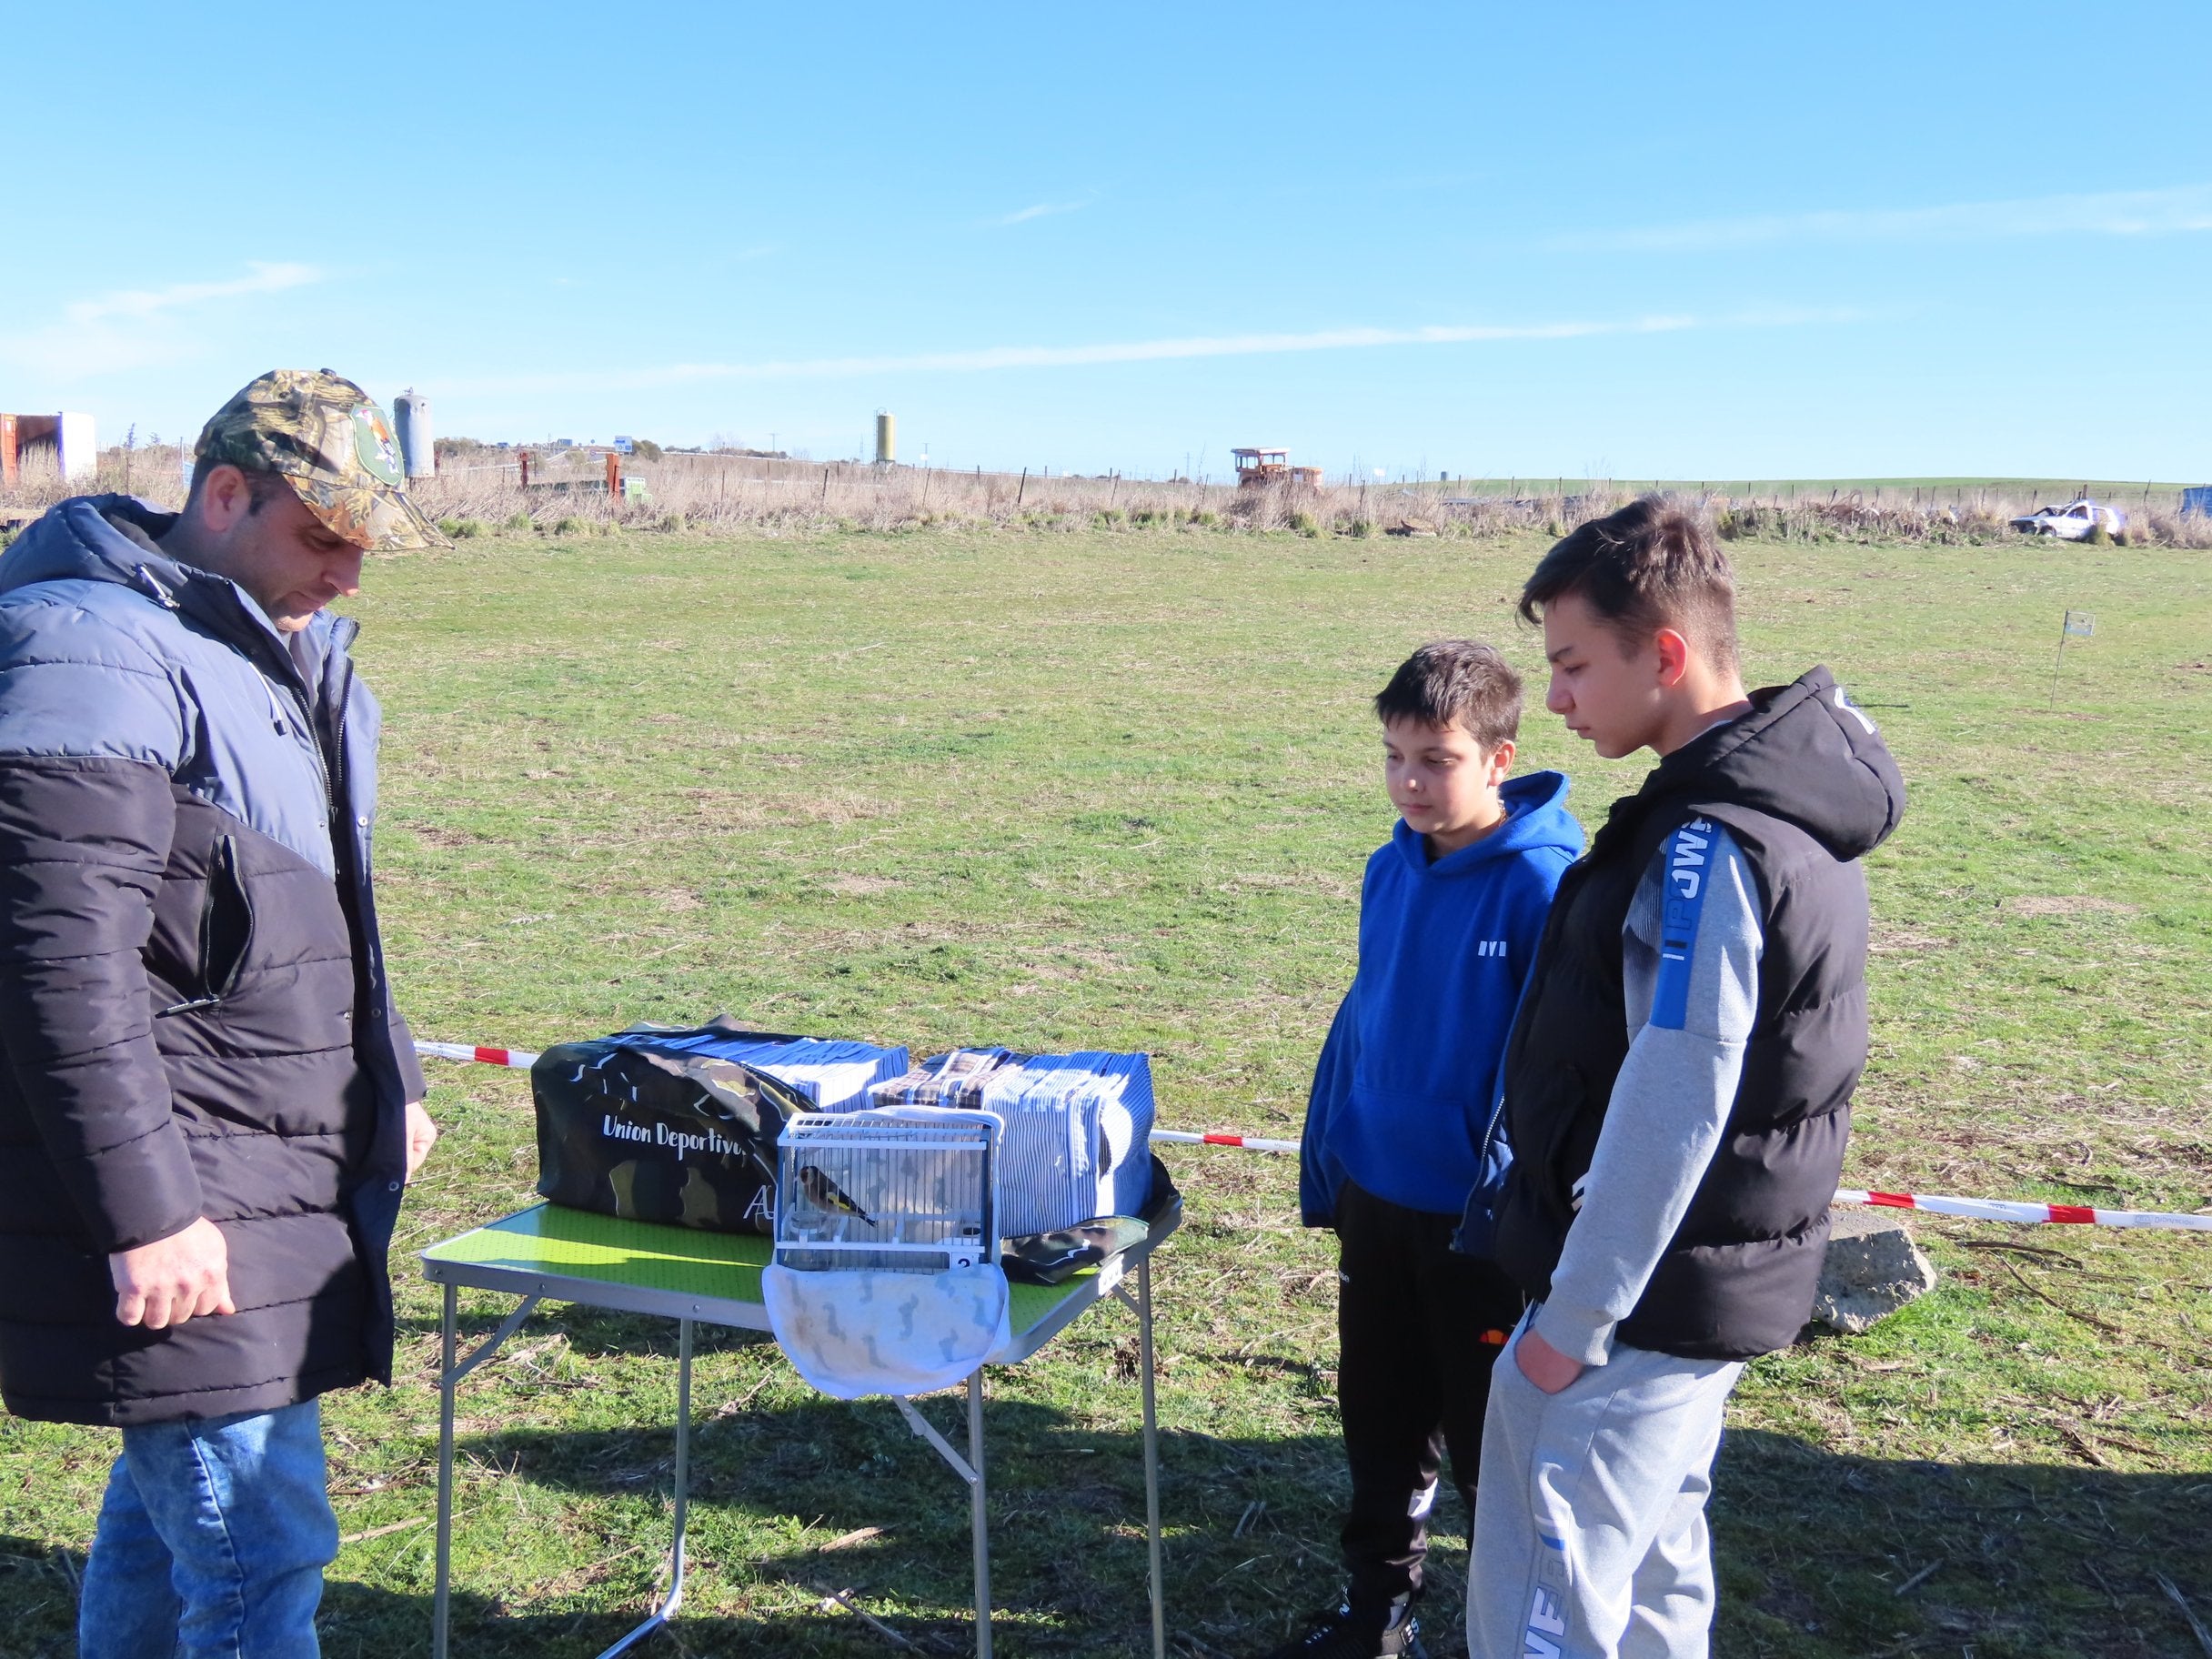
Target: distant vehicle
2073,521
1257,468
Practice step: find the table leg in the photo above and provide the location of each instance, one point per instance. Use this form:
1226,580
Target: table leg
685,1332
1151,1456
441,1607
673,1602
978,1514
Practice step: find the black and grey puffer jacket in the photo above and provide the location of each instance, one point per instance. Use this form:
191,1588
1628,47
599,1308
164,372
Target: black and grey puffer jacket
194,1015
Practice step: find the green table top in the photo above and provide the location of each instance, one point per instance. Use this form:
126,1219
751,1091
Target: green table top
578,1244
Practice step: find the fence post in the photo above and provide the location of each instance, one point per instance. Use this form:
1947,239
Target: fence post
825,486
1024,490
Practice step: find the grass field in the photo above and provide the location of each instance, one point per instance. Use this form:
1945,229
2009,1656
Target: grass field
946,787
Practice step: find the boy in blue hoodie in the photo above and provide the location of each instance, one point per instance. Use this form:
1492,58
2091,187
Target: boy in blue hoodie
1402,1129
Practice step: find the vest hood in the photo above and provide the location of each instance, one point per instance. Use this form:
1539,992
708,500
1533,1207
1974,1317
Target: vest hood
1804,755
1536,817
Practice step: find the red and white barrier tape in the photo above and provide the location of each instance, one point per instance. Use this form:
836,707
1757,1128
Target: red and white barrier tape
523,1060
1251,1143
1973,1209
2013,1210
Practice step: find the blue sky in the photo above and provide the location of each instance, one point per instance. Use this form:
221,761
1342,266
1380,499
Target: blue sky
1694,242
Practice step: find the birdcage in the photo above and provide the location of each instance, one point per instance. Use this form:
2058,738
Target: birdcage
910,1190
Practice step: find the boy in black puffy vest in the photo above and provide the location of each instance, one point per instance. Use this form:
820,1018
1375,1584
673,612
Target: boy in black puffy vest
1677,1092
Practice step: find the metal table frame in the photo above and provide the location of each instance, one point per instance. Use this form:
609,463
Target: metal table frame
689,1311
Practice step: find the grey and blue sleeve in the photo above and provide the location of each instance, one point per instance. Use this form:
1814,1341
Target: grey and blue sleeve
90,729
1690,960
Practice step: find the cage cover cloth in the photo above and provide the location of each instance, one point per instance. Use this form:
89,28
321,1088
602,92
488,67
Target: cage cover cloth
1078,1129
855,1332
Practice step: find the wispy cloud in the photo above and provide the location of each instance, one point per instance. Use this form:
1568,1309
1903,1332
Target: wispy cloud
132,328
262,278
994,358
2119,213
1040,210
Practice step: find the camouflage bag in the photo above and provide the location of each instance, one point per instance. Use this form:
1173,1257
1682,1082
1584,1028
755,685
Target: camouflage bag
680,1138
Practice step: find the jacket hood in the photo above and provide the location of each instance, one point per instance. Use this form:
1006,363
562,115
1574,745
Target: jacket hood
1536,816
76,541
1804,754
110,539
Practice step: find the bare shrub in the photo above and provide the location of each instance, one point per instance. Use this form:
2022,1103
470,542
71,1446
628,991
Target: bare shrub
690,493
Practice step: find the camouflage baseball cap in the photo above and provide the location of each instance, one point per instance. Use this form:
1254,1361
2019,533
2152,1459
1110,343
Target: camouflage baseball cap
326,438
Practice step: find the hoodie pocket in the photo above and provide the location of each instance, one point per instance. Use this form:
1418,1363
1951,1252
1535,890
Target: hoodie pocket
227,930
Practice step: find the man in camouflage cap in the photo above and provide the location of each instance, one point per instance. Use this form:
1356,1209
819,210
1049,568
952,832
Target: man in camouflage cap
209,1104
327,438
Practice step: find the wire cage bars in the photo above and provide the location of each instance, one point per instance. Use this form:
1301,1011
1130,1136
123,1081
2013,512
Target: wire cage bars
911,1192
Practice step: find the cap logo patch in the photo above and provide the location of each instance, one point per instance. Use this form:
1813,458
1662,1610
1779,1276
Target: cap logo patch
373,442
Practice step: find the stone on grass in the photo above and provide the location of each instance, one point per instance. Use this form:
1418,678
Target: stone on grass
1873,1268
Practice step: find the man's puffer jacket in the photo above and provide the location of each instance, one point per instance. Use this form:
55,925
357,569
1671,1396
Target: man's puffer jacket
194,1015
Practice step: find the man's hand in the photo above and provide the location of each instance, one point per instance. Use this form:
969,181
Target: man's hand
181,1277
422,1135
1544,1364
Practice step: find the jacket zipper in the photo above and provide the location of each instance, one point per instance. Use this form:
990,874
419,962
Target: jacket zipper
342,636
241,631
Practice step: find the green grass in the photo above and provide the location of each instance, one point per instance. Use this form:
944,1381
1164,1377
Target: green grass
1117,790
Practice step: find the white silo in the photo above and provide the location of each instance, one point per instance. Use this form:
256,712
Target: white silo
417,450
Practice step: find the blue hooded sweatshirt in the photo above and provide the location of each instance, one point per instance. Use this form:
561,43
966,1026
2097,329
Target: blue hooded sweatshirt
1404,1099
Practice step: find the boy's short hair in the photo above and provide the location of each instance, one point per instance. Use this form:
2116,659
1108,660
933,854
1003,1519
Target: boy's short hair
1456,681
1651,565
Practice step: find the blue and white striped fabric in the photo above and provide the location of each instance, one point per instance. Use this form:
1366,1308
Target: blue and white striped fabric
1077,1142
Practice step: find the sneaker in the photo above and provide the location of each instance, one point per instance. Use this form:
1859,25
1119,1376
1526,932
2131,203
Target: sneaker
1385,1630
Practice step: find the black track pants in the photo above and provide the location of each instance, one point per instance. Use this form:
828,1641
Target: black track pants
1413,1377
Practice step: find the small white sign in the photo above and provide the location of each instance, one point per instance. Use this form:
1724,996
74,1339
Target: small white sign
1110,1273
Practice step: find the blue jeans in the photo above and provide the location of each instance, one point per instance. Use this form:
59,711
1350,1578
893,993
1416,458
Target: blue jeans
212,1541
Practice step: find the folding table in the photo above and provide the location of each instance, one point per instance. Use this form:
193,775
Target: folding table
551,1253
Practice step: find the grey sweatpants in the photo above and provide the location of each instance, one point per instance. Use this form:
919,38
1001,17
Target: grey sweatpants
1589,1522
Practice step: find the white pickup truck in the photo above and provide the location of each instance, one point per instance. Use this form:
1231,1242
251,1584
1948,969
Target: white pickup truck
2073,521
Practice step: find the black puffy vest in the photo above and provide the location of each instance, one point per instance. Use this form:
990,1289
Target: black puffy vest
1806,787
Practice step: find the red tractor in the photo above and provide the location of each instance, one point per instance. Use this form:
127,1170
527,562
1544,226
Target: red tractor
1257,468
